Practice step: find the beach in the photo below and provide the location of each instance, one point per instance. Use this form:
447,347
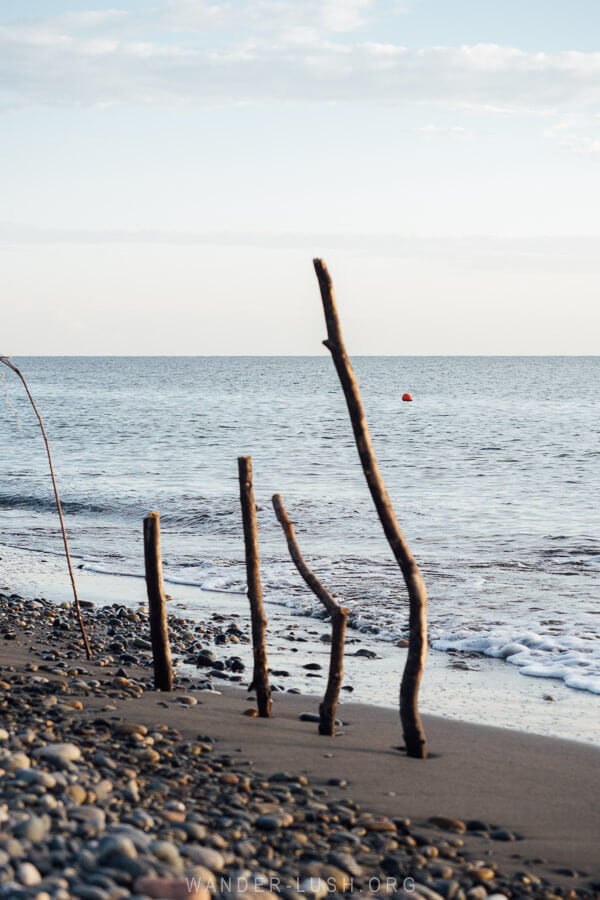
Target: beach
196,782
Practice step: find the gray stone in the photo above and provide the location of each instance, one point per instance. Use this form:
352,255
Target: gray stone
12,762
59,754
89,892
28,875
166,852
92,817
502,834
115,845
206,856
427,893
346,862
35,776
34,828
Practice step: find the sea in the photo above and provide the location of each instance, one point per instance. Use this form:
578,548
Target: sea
493,470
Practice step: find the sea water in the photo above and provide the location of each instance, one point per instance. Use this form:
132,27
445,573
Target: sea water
493,470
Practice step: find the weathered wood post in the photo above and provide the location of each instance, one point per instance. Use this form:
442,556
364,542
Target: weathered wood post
339,617
260,678
412,727
157,605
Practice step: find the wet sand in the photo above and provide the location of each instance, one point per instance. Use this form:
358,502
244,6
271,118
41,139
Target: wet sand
539,790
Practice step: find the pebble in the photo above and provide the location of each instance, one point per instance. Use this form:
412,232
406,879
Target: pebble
448,824
502,834
207,857
98,807
28,875
14,761
34,828
113,847
59,754
170,889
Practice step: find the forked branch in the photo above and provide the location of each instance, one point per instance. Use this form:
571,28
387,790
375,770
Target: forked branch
339,616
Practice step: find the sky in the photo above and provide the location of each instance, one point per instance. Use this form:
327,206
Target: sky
169,169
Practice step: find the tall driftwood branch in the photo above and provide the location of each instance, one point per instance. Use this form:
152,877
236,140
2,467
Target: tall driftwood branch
414,734
157,605
339,616
260,678
19,374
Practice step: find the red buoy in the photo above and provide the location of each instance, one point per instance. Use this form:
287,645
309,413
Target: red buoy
407,398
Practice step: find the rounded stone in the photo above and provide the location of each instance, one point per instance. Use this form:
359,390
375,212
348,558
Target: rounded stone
59,754
28,875
113,846
206,856
34,828
166,852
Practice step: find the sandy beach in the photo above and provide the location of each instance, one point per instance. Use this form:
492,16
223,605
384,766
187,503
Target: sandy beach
515,810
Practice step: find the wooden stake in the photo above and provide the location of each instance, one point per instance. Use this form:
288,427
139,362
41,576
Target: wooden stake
339,616
414,734
157,605
260,679
19,374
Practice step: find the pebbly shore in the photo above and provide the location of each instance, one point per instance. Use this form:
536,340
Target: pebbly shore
98,801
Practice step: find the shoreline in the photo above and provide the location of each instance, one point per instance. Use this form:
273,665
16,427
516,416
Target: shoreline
461,686
536,790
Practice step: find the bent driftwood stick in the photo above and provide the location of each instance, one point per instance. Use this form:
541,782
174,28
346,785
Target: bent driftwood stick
412,727
157,605
6,361
339,616
260,678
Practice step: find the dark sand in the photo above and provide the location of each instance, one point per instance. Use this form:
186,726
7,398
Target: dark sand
543,789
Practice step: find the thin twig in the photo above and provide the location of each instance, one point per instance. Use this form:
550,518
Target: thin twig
6,361
338,614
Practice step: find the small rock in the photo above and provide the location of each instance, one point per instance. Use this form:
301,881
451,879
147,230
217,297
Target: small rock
114,846
207,857
59,754
170,889
502,834
448,824
167,853
28,875
34,828
315,888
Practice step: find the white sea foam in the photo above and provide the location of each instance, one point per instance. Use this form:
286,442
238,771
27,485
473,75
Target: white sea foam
573,659
494,487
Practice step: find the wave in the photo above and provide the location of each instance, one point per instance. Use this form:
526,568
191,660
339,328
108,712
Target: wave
573,659
36,504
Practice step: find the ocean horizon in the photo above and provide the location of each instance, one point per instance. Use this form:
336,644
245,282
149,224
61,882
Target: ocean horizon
491,468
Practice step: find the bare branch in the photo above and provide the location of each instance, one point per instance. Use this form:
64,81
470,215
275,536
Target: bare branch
5,360
339,617
414,734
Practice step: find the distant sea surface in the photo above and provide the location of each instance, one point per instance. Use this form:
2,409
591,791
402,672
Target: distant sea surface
493,469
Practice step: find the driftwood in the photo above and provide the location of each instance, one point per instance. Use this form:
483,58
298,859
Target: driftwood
260,678
157,605
412,727
339,616
19,374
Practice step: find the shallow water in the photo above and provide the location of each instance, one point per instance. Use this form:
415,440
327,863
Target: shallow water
493,471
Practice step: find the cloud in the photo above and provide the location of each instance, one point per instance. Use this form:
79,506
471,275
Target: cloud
336,16
581,144
489,251
455,131
273,50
